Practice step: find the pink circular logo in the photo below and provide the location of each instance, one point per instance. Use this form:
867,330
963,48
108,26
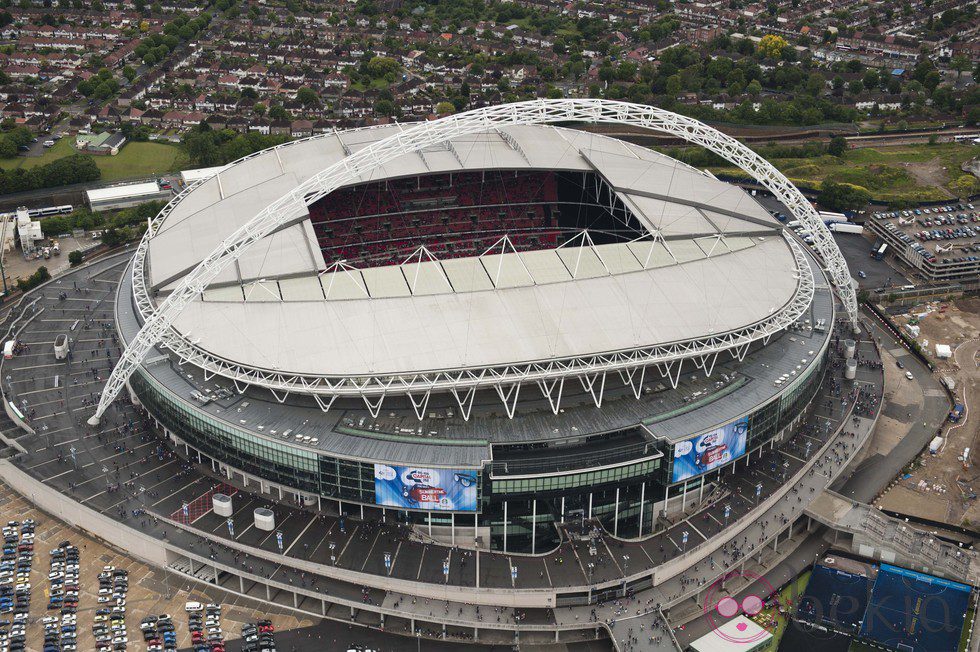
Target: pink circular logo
719,608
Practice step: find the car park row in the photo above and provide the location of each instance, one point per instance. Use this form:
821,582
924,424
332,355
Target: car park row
60,634
109,626
15,584
206,634
258,637
159,633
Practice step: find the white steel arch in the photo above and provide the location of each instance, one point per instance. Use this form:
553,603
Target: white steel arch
294,204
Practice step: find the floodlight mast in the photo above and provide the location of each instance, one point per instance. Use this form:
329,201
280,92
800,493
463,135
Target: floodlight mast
426,134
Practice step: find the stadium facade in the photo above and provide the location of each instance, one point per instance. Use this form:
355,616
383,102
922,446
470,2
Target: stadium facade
485,335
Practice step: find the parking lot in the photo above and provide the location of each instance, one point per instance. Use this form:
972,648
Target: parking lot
147,591
943,234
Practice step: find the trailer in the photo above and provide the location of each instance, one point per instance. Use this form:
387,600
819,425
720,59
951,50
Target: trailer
879,253
846,227
829,218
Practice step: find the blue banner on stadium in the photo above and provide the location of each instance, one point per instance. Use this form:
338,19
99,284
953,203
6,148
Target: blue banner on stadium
709,451
410,487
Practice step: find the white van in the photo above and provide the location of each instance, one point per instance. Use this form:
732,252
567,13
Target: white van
8,349
193,607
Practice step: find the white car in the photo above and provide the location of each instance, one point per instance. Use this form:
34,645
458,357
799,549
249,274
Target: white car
908,374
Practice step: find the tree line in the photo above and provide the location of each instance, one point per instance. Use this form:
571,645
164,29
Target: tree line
77,168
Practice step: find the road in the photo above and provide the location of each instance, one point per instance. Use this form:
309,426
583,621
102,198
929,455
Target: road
877,471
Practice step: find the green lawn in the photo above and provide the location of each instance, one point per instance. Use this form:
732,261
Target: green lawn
882,170
134,159
787,599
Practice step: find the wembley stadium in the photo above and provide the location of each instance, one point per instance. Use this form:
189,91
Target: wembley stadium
495,324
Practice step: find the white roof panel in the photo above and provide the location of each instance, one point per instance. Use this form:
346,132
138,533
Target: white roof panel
467,274
545,266
426,277
618,257
506,271
386,281
581,262
262,291
301,288
344,284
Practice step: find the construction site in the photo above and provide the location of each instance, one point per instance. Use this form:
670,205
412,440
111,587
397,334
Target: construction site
943,481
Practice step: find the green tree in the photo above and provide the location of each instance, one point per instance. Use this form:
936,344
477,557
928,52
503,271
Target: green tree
965,185
307,96
75,258
842,196
837,146
381,67
445,108
7,148
815,84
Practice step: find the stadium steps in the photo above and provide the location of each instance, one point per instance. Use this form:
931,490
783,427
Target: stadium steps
202,573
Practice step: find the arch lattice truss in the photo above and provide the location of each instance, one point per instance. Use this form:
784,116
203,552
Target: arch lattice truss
548,376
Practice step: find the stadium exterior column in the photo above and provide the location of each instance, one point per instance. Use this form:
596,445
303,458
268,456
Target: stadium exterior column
241,585
590,505
323,607
643,489
562,509
701,490
616,515
429,518
452,527
476,528
684,498
505,525
666,495
534,524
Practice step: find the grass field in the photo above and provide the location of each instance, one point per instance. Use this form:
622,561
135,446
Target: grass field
134,159
900,173
787,599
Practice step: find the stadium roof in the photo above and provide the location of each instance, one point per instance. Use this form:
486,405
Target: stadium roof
665,194
715,262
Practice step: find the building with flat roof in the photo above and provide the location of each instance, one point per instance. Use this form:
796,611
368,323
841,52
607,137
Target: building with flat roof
122,196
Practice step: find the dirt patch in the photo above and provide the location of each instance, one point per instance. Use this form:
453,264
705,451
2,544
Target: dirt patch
944,487
930,173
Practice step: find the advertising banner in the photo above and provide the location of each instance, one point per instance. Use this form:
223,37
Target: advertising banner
410,487
709,451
